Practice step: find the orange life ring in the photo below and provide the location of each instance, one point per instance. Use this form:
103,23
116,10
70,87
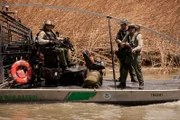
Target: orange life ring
17,73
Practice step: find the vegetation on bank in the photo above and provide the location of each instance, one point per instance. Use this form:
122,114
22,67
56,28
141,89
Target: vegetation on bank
91,32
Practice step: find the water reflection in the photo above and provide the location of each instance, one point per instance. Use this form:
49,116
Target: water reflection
89,111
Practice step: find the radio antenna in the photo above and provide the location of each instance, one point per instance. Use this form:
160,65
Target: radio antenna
3,4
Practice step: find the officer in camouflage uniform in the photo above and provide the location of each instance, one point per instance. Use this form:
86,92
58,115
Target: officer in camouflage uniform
120,36
135,42
47,37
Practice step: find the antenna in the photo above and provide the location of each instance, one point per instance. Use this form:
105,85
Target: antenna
5,9
3,5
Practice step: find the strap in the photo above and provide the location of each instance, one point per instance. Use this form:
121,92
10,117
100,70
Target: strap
46,34
137,35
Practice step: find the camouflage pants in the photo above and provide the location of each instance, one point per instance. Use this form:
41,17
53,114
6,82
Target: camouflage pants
124,69
63,56
129,69
137,66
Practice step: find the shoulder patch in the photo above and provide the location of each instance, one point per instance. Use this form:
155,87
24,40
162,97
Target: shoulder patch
41,34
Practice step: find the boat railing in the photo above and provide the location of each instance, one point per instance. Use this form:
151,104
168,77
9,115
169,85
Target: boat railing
15,42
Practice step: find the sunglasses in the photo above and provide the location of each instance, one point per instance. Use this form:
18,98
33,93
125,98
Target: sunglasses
131,28
48,25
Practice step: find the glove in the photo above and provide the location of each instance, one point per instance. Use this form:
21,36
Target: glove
133,51
119,41
51,42
127,44
54,42
57,42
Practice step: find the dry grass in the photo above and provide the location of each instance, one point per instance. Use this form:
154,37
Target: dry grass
91,32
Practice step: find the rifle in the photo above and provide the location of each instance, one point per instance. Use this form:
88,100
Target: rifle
67,44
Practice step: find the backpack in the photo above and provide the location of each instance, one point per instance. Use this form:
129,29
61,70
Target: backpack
93,80
73,77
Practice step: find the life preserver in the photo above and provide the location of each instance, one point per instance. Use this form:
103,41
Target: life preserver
19,75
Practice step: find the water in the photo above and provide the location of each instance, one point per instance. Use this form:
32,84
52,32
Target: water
89,111
147,75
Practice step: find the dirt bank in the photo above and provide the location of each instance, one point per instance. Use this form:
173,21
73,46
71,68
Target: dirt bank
91,32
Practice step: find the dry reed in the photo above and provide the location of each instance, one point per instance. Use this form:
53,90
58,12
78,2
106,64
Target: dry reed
91,32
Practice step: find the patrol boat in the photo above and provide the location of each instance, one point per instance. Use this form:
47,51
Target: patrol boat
19,47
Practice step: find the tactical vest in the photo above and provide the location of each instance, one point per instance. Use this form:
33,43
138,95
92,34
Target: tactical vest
121,34
133,41
49,35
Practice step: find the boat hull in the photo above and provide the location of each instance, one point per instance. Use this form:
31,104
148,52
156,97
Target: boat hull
131,97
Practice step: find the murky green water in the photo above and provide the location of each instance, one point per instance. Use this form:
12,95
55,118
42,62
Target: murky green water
89,111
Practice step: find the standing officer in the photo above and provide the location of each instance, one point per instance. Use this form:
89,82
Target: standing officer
134,41
123,31
48,37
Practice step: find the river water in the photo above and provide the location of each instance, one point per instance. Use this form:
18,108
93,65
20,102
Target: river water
89,111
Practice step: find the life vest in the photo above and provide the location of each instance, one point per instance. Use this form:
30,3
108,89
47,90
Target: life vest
19,75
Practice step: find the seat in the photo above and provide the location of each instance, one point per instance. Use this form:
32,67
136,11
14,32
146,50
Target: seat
96,65
50,55
50,59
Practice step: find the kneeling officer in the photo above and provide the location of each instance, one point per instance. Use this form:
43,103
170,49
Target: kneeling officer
47,37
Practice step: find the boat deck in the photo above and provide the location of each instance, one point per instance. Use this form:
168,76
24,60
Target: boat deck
148,85
155,91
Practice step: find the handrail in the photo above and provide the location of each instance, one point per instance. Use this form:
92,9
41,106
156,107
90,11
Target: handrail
13,30
9,18
12,24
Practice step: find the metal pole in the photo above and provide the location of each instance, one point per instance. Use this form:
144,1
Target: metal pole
112,52
1,60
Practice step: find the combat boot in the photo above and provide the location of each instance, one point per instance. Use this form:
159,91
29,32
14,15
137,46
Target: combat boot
65,69
71,64
141,86
135,81
122,85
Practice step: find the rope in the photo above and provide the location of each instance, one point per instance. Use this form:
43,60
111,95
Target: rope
94,14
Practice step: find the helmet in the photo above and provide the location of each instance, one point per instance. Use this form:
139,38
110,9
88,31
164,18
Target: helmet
132,25
123,22
49,23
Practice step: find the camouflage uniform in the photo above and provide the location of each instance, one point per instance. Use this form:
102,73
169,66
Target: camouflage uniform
137,43
46,37
120,36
